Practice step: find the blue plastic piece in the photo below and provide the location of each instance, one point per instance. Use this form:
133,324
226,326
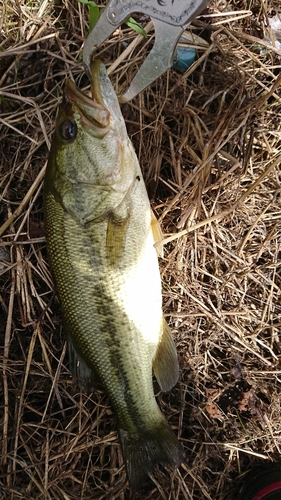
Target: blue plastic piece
184,56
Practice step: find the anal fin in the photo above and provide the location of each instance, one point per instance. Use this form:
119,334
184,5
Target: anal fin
157,233
165,362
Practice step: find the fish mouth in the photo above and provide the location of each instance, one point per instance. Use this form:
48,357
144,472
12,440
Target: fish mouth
92,109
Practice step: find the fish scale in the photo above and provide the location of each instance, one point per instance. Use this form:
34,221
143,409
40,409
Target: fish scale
99,229
74,294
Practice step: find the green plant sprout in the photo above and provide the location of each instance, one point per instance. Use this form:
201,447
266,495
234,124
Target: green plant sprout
95,12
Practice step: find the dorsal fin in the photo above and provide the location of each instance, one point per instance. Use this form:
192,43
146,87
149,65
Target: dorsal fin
83,376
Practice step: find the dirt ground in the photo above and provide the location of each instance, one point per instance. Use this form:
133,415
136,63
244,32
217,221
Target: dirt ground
209,144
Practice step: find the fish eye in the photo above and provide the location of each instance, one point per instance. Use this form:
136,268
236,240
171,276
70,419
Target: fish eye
68,130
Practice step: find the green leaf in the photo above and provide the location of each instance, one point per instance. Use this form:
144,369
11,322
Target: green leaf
132,23
94,12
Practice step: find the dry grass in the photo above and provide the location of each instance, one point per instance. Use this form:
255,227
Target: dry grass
209,143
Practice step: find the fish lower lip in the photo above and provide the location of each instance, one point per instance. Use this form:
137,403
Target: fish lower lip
97,73
93,112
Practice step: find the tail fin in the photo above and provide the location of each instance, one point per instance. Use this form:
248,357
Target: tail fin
142,453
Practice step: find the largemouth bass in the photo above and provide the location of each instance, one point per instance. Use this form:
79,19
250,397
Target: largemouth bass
101,233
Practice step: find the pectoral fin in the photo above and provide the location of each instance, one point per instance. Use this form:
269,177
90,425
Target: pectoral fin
157,234
165,363
116,237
